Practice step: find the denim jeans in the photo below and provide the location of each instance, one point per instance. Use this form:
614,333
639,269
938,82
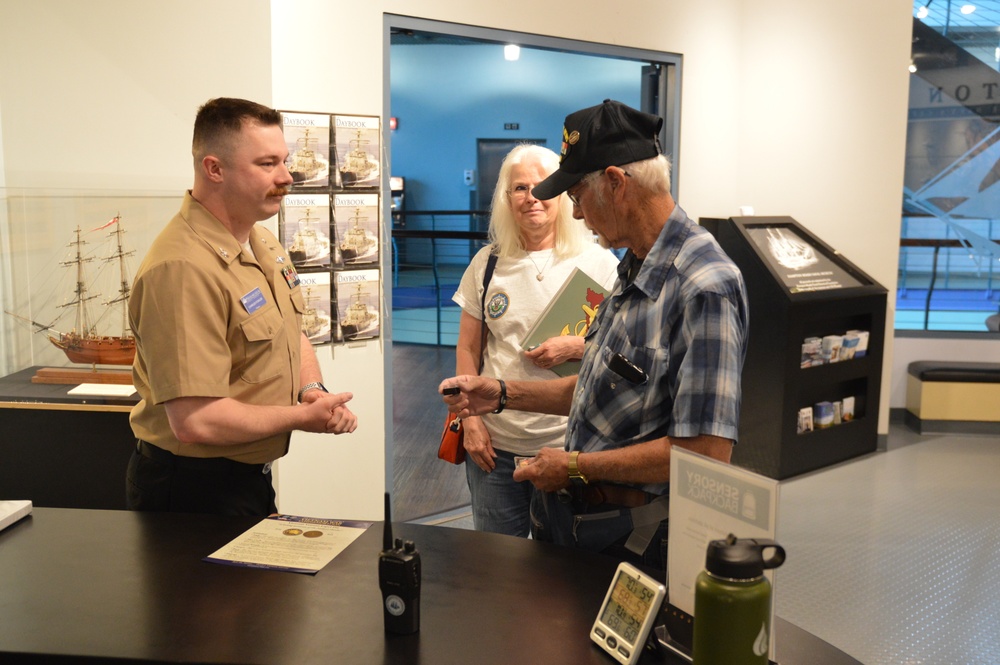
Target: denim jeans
499,504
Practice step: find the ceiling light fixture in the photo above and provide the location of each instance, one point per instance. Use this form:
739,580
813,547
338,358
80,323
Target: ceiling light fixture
923,12
968,9
511,52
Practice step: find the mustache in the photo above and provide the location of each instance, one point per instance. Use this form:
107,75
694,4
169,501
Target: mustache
279,191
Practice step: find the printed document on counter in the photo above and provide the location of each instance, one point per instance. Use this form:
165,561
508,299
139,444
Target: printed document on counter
290,543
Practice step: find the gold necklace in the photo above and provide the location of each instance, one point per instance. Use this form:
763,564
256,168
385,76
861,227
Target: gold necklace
540,276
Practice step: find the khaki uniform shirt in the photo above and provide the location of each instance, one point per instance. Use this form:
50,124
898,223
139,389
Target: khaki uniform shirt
212,321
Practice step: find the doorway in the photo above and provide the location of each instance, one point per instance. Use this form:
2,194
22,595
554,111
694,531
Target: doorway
460,106
489,156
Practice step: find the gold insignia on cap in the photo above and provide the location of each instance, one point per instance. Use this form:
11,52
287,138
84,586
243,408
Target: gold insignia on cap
573,137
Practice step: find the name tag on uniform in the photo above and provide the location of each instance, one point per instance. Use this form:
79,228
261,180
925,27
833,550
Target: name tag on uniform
253,300
290,276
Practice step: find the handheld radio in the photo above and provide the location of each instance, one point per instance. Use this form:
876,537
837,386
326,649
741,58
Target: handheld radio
399,580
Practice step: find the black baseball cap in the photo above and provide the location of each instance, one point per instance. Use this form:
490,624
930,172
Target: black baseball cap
609,134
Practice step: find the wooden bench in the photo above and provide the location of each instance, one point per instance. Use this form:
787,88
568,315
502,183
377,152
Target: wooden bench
951,396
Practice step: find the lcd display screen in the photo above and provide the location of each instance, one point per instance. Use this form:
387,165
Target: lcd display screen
627,607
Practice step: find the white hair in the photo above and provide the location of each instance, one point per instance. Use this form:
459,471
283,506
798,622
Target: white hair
652,174
572,235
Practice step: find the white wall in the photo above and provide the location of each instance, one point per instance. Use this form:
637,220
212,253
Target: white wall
103,93
829,123
795,108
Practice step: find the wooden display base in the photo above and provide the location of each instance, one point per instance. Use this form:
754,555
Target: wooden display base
74,376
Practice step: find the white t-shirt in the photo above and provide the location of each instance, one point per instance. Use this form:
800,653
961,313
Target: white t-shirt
517,298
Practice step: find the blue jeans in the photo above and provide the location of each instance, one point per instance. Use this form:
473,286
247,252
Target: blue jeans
499,504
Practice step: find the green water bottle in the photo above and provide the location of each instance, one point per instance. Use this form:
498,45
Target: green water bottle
732,602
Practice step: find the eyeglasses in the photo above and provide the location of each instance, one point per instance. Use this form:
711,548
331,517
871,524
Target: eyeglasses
519,192
574,197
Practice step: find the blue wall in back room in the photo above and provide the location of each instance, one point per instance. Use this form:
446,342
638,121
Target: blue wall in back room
447,96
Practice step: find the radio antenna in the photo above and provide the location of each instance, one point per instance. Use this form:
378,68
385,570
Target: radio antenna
387,530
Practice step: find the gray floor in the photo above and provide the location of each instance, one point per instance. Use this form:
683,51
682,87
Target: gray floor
893,557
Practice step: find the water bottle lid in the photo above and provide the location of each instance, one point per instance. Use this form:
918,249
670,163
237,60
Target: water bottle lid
742,559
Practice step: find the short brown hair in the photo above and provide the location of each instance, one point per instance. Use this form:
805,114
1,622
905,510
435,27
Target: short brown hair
219,119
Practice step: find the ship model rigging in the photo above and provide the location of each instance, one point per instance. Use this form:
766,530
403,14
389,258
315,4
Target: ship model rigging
83,343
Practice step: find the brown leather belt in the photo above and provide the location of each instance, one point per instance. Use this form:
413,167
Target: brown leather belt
619,495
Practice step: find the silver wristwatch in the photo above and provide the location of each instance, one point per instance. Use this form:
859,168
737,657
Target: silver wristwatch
315,385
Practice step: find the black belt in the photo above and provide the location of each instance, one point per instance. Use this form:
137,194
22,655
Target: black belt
220,465
618,495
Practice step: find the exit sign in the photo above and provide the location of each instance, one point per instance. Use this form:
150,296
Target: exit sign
512,125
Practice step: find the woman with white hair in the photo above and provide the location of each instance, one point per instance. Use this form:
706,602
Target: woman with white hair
537,244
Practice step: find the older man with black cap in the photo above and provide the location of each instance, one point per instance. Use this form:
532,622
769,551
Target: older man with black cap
663,358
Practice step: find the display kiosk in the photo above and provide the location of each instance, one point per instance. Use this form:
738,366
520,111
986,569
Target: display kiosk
808,402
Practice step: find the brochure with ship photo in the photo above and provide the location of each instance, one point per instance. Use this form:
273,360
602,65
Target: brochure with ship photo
305,229
317,317
358,146
570,312
358,304
356,218
307,136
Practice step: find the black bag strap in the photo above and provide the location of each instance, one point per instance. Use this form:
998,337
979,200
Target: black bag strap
491,264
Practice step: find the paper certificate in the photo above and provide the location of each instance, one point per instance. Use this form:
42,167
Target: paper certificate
289,543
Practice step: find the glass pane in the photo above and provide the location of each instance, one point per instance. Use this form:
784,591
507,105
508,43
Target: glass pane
949,258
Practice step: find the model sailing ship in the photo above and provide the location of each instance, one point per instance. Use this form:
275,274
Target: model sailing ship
358,165
359,243
83,343
360,317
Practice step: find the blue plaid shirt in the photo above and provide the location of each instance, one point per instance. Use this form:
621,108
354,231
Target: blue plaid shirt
683,322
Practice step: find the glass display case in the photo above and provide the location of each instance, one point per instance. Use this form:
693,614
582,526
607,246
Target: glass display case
67,260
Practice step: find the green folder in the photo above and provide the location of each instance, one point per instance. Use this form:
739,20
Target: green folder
570,312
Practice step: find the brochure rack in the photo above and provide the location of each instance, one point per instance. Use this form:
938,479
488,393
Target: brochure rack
799,288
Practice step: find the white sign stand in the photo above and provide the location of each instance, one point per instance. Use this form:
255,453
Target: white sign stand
708,501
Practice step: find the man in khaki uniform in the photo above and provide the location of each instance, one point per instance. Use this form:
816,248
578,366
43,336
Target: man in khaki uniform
222,368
